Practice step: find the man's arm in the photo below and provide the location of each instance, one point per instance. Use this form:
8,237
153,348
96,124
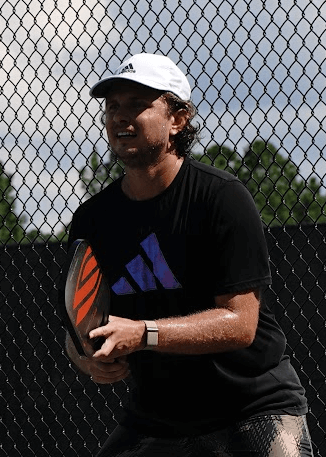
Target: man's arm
231,325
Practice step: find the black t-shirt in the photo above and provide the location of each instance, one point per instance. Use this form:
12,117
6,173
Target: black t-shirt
170,256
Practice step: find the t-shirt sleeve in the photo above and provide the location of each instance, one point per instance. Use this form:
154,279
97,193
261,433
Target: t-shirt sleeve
241,255
80,223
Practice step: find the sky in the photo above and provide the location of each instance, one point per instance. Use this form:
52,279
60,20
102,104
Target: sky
257,69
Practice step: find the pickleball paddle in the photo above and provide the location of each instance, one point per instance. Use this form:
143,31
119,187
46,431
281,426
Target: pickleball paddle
86,297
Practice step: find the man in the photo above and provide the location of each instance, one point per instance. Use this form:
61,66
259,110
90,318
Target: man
183,250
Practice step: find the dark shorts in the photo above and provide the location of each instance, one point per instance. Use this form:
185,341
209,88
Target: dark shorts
262,436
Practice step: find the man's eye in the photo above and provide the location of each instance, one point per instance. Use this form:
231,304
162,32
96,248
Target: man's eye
139,104
111,107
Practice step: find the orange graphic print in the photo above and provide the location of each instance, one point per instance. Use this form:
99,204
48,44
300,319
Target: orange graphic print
88,283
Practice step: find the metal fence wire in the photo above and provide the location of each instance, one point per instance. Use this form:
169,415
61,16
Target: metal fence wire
257,69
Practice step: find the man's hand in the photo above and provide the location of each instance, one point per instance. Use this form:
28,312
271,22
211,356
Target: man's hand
122,337
108,372
101,372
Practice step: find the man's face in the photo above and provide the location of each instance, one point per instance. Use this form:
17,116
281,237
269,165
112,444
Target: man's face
137,124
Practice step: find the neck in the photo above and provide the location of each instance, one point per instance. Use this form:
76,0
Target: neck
144,184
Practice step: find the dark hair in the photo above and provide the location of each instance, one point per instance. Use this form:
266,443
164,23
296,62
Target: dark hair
189,135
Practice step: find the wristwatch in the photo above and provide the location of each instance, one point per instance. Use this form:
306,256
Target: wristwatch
151,334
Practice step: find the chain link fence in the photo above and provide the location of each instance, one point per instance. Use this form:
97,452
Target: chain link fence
257,69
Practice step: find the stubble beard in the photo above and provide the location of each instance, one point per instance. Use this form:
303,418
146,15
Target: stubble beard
141,158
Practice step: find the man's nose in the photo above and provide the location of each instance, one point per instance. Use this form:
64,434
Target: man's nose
121,114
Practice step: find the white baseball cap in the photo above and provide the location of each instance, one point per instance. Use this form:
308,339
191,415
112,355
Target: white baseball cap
152,70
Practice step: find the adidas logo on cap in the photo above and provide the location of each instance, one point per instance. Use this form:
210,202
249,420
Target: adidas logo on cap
127,69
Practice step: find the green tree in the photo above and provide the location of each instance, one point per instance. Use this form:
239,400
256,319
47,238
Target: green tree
281,195
37,236
10,224
96,175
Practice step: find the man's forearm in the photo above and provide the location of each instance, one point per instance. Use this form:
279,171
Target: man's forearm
213,331
230,326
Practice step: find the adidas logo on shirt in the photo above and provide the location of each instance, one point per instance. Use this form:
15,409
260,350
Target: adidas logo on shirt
128,69
145,273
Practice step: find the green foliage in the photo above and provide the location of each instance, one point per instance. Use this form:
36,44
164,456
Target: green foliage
37,236
95,176
281,195
10,224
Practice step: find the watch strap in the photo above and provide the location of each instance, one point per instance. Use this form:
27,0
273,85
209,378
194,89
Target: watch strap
151,334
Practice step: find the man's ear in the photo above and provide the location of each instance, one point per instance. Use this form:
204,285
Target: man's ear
179,120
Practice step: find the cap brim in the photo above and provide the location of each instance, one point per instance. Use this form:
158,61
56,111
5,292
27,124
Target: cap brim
101,89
